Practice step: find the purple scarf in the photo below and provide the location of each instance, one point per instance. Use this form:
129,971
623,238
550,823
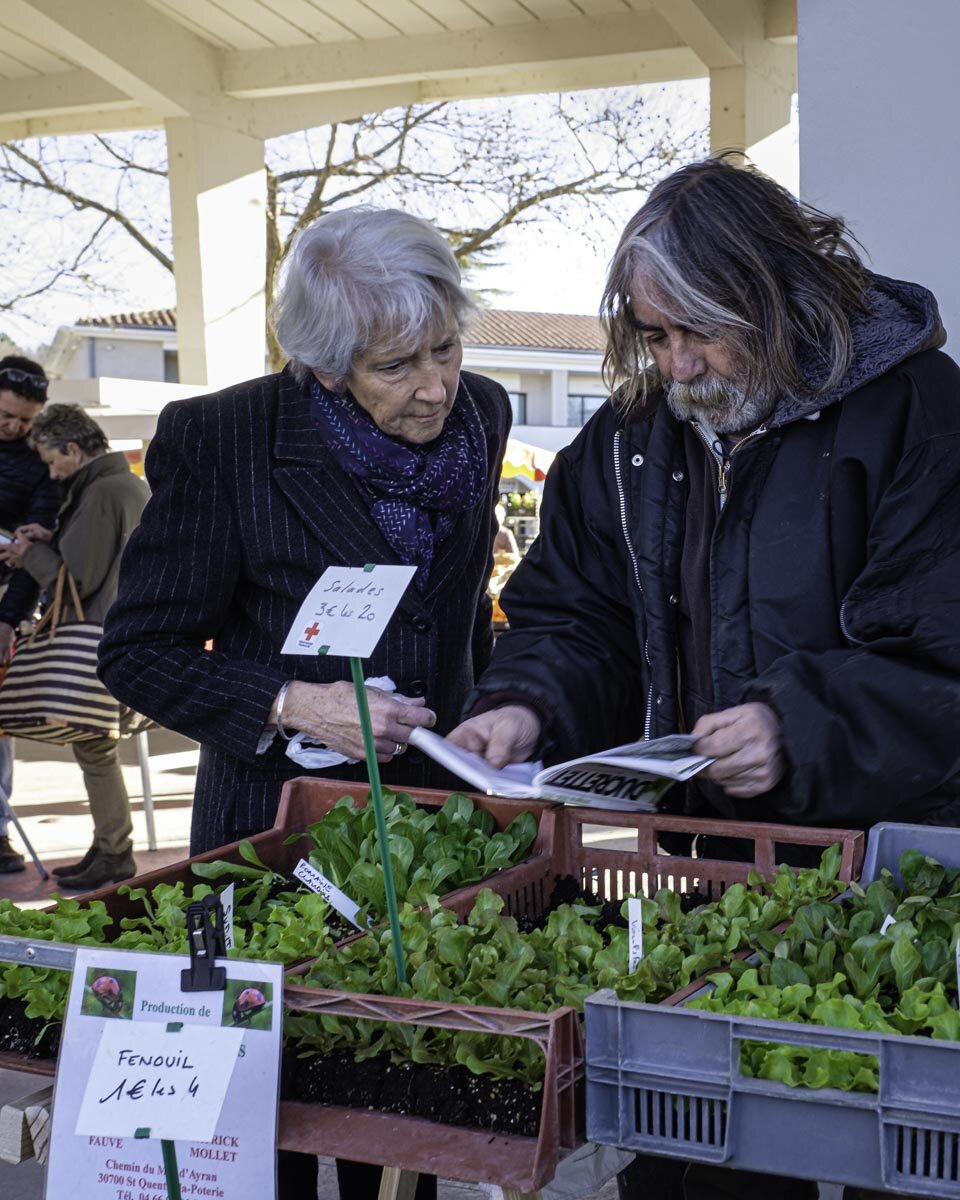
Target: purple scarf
414,491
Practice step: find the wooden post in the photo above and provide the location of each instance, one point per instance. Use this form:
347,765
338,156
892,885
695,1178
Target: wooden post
397,1184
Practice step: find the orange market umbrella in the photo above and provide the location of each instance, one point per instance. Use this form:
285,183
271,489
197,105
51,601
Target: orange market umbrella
524,460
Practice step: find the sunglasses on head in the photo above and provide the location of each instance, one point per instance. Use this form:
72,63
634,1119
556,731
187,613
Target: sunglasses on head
15,375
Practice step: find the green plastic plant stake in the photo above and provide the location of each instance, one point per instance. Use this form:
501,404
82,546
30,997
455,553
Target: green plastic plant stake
170,1169
373,769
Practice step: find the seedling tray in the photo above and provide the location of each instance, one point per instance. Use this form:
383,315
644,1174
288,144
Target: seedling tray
666,1080
601,869
304,801
417,1144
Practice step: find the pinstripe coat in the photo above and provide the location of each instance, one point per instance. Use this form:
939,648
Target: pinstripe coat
249,508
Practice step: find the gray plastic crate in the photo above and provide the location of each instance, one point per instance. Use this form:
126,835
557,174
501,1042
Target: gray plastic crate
667,1081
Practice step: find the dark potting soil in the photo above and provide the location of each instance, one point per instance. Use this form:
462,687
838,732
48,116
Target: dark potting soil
451,1095
30,1036
568,890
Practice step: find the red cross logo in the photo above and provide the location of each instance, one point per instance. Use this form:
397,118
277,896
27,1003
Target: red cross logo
312,631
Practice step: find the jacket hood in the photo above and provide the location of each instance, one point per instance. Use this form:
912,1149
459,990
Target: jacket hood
903,320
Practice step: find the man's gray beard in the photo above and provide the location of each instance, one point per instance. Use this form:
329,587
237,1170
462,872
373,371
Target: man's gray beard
720,404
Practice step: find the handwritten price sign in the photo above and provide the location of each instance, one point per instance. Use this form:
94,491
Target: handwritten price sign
347,611
173,1084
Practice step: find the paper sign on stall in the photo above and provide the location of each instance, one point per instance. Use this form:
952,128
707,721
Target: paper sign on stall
172,1081
347,610
140,1056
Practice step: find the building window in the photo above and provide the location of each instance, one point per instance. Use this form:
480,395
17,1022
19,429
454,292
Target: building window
171,367
581,408
518,405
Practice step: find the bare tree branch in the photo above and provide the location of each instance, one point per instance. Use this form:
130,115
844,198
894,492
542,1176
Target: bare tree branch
475,168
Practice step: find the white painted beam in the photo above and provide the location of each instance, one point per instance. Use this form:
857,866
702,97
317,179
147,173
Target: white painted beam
750,109
691,22
278,115
217,205
332,66
130,45
63,92
106,120
780,22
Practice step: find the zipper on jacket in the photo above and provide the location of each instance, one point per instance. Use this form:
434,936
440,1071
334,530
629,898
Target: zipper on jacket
723,459
624,525
843,627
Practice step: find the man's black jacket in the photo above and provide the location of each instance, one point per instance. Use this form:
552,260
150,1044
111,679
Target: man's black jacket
834,583
27,494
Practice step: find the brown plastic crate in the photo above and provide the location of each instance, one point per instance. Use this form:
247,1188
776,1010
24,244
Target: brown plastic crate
304,801
453,1152
615,873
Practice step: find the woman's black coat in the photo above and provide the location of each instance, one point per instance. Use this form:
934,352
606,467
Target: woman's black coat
248,510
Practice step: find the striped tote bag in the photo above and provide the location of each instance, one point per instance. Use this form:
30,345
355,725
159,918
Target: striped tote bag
50,692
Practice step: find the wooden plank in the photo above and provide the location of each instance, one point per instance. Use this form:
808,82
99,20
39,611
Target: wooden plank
455,14
363,22
408,17
316,25
552,10
396,1184
502,12
213,24
600,8
27,57
267,24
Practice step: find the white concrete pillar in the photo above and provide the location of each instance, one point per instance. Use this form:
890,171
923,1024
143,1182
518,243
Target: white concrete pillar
217,200
879,144
559,389
750,107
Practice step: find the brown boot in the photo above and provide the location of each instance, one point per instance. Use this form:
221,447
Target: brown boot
105,869
76,867
10,860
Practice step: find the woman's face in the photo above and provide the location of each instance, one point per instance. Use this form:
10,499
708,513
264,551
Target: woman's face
62,465
408,394
16,415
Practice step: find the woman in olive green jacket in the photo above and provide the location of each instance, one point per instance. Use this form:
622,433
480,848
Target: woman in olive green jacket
102,505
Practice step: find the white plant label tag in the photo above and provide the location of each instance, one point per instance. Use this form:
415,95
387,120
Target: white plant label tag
226,903
888,920
347,610
635,919
957,954
316,881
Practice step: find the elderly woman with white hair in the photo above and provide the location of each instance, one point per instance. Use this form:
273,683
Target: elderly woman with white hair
370,446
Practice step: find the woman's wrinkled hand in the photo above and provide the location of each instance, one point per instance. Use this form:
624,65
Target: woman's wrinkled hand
503,735
747,743
328,712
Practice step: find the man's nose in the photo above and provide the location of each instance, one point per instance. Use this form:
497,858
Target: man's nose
686,360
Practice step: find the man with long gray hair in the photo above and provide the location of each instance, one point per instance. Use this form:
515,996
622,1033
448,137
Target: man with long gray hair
757,539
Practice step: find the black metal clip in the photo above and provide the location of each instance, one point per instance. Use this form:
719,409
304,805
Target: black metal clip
206,941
